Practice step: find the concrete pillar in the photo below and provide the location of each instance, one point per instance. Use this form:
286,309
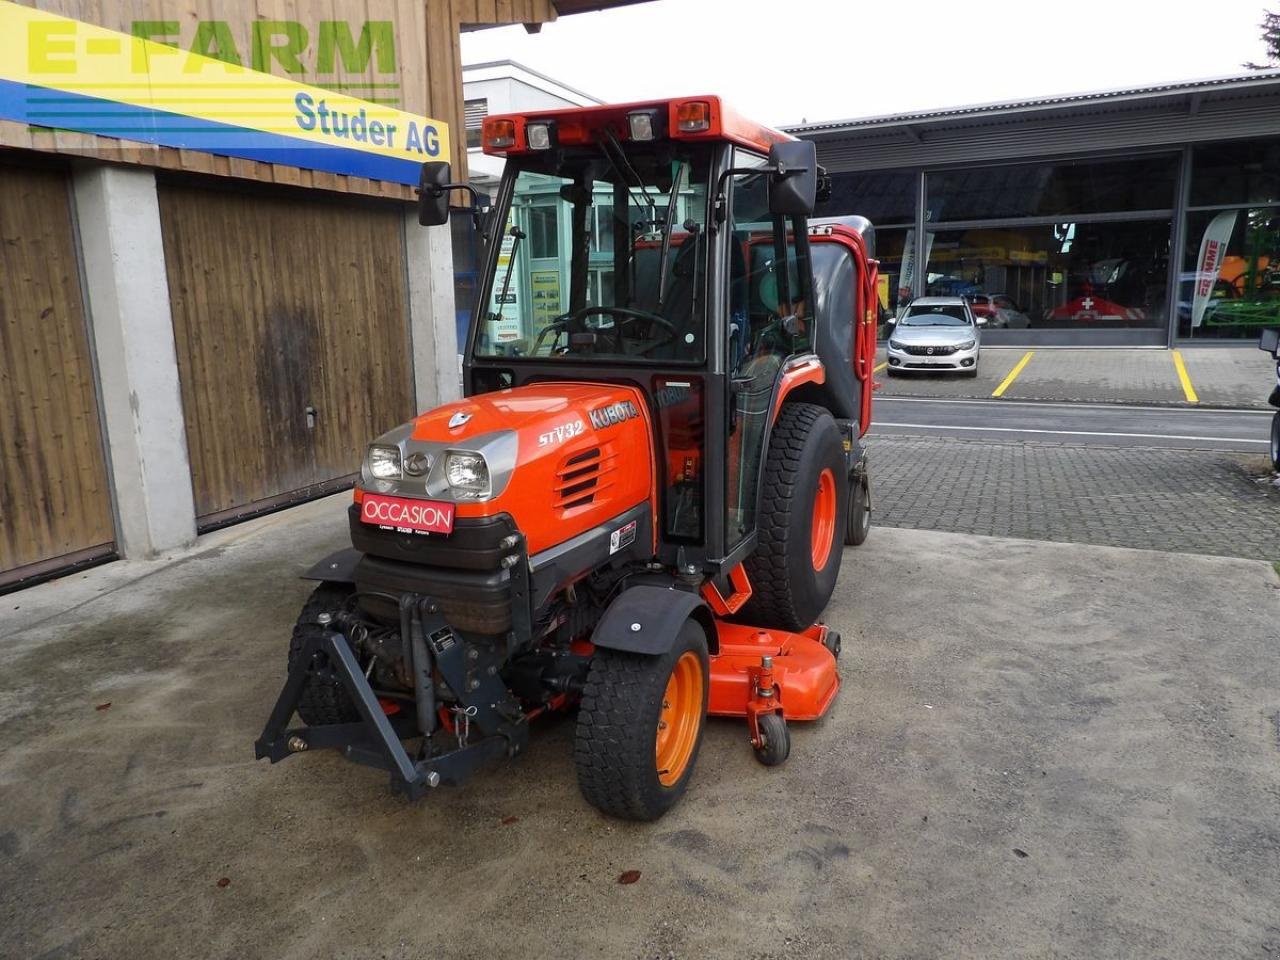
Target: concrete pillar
118,216
432,323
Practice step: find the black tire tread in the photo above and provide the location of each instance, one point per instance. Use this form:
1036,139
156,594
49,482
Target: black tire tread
324,700
772,602
613,749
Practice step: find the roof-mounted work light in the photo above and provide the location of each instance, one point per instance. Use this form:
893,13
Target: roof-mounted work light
644,124
539,134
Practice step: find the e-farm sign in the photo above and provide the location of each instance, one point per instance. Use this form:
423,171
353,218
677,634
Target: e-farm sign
65,74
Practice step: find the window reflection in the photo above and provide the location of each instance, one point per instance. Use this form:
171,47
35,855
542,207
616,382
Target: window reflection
1069,275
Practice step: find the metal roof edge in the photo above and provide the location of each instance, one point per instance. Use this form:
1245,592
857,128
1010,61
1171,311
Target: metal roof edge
1268,78
517,65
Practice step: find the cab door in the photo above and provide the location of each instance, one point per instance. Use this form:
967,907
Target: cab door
768,303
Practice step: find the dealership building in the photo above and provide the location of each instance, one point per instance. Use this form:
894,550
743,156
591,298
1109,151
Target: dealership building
213,288
1143,217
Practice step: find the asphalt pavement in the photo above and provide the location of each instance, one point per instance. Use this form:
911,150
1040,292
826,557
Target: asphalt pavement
1039,750
1199,376
1085,424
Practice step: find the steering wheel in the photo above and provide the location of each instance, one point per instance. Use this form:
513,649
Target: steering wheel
567,321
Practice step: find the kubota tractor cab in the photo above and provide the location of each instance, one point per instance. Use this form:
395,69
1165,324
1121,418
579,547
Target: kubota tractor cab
639,509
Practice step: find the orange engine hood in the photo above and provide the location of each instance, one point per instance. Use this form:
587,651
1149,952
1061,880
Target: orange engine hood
562,457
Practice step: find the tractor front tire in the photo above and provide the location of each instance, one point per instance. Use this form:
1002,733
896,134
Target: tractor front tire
801,522
324,700
640,726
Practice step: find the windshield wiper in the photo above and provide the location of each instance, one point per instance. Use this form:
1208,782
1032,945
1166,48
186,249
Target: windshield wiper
666,237
626,165
518,235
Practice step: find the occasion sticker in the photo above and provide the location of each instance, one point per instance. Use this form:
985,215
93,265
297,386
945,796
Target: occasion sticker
407,516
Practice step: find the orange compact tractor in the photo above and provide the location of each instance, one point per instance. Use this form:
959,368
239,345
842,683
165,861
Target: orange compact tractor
639,509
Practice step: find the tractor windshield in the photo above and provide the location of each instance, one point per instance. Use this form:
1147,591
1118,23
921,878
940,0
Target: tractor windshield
603,256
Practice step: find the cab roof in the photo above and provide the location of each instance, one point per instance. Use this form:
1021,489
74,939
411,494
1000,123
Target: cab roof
687,119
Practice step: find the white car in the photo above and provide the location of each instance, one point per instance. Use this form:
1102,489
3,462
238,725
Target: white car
935,333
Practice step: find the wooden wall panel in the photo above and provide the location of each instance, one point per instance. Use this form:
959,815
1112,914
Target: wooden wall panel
268,322
54,498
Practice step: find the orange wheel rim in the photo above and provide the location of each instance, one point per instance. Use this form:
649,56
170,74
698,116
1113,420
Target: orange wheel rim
680,719
824,520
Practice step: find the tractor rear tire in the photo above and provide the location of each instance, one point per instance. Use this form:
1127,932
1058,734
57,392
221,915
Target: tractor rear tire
324,700
801,521
638,713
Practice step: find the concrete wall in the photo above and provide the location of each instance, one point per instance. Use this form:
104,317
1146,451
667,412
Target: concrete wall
118,216
437,377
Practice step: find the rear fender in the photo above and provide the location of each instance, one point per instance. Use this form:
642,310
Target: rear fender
646,619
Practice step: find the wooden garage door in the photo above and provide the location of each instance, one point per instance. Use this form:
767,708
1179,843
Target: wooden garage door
55,506
291,322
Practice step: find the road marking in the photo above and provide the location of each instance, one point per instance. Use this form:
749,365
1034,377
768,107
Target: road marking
881,367
1250,411
1187,388
1013,374
1070,433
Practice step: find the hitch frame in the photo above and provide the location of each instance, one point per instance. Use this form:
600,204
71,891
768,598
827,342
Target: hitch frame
377,740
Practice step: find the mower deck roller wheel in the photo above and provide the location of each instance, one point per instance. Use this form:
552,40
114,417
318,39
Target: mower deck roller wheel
776,745
640,726
803,513
859,525
324,699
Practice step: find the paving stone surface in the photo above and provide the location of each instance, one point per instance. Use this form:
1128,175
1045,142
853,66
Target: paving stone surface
1235,376
1154,499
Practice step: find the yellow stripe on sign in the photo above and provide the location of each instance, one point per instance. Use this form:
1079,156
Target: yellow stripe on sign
1013,374
1187,389
881,367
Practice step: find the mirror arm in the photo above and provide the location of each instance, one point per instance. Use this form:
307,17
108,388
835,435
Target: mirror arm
719,210
437,189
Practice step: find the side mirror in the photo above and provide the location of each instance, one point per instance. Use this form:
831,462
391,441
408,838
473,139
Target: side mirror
433,198
980,321
793,185
1270,341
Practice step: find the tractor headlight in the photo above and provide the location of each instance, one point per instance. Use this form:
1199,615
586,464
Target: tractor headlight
384,462
968,344
467,473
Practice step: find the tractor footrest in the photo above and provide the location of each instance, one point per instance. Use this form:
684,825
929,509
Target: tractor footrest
804,670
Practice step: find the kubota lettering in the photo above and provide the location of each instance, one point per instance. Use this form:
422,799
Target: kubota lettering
602,417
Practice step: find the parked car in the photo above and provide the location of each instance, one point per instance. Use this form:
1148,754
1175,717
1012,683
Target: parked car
997,311
935,333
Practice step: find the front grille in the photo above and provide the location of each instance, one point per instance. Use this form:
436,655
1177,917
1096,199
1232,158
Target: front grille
917,350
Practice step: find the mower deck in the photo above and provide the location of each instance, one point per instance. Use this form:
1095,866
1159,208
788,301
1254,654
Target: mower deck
803,666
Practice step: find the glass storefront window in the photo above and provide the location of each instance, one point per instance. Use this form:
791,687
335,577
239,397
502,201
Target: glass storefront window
1085,276
882,196
1052,189
1247,172
1230,281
